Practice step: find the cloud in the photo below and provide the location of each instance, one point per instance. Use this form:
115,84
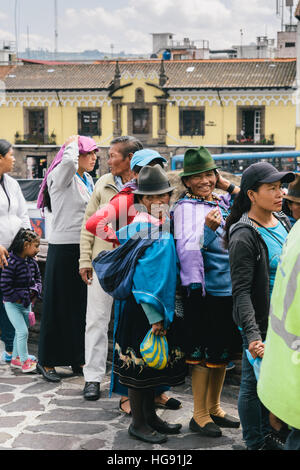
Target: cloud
128,24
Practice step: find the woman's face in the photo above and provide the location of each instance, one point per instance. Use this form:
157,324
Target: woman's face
295,209
157,205
202,184
7,162
87,161
268,196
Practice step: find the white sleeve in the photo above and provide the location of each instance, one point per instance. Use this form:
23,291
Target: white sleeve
63,174
22,210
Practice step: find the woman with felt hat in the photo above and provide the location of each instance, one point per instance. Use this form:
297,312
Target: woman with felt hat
210,335
149,306
291,203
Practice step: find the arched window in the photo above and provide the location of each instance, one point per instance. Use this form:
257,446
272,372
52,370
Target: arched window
139,95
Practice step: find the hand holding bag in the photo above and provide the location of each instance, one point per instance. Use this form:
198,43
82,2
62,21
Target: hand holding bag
31,318
154,350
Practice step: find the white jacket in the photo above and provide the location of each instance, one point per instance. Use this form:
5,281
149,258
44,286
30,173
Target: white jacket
13,212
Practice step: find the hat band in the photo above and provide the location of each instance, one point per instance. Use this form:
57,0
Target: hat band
196,168
154,187
294,193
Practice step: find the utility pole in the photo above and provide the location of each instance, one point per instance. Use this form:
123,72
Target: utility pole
55,28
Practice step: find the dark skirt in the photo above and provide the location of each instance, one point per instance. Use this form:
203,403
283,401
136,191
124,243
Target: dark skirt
210,334
129,366
62,330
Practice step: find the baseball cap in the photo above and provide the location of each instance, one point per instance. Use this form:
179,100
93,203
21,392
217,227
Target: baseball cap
264,172
145,156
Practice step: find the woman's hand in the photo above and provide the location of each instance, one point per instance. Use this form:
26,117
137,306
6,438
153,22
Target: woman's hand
72,138
158,329
256,349
3,257
213,219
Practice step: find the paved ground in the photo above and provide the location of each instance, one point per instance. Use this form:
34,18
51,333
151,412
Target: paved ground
38,415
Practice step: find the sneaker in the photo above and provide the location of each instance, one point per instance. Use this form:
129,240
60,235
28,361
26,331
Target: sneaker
28,366
6,357
17,364
273,441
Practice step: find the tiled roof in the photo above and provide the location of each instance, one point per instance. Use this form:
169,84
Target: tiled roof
231,74
60,77
196,74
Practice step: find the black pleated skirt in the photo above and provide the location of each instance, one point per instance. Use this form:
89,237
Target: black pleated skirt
209,332
62,330
132,371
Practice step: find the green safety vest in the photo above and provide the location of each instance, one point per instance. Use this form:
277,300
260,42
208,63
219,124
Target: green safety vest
279,382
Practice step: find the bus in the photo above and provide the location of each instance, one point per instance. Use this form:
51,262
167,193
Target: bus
236,163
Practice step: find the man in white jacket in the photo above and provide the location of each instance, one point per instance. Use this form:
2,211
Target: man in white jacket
13,216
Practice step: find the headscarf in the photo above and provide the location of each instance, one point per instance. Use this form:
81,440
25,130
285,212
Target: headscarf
85,145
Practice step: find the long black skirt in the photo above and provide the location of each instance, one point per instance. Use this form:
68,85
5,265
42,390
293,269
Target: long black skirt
62,330
210,334
132,371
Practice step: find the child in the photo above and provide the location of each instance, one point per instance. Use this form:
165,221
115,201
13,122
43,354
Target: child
21,285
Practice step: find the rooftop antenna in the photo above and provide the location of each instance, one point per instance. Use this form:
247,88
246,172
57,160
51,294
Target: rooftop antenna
16,26
55,28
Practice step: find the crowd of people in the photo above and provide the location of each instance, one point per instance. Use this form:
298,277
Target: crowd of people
191,286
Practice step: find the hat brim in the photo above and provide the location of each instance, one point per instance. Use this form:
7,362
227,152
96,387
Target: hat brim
191,173
291,198
147,160
153,193
283,176
92,149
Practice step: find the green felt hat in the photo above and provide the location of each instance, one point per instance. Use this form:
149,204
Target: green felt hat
197,161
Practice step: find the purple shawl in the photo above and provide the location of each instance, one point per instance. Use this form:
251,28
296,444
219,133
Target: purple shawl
85,145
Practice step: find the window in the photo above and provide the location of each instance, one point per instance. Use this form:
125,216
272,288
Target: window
140,121
89,122
36,123
36,167
290,44
192,122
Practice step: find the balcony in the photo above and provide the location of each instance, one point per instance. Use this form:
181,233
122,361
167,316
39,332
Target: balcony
250,140
38,139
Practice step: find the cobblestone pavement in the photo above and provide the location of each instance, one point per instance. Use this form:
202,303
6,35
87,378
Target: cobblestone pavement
38,415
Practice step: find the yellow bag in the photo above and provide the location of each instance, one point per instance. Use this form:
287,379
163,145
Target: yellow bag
154,350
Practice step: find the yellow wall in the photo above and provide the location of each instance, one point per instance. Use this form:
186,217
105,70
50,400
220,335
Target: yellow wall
280,118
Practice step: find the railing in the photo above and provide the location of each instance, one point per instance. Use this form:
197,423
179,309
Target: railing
250,140
38,139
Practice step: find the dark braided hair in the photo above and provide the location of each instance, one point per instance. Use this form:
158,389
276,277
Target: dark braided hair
23,235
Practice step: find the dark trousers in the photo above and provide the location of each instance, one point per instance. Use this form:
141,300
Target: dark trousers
293,440
7,330
253,414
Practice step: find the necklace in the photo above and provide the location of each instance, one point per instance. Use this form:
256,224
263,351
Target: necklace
200,198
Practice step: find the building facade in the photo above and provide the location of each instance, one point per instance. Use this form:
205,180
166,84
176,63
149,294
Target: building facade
225,105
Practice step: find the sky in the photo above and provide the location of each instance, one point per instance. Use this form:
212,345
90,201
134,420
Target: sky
128,24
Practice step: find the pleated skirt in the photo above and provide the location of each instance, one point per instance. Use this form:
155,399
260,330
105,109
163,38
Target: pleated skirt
129,366
62,330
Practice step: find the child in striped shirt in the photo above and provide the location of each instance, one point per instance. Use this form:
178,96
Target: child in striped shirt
21,285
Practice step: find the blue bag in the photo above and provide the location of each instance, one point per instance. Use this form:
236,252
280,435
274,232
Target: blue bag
115,269
255,363
154,350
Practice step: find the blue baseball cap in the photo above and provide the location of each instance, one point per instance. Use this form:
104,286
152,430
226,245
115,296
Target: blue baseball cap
144,157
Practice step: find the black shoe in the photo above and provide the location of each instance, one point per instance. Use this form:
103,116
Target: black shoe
153,438
210,429
226,422
91,391
165,428
49,375
273,441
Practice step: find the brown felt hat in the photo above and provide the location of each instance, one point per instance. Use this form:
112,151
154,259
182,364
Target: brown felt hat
294,190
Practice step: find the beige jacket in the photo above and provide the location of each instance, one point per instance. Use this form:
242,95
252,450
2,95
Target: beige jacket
90,245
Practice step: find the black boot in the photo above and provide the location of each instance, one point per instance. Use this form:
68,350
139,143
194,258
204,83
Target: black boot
139,427
153,420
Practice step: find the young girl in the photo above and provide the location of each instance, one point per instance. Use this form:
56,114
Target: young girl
21,285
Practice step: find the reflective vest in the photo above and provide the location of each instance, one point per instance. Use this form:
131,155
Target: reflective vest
279,382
